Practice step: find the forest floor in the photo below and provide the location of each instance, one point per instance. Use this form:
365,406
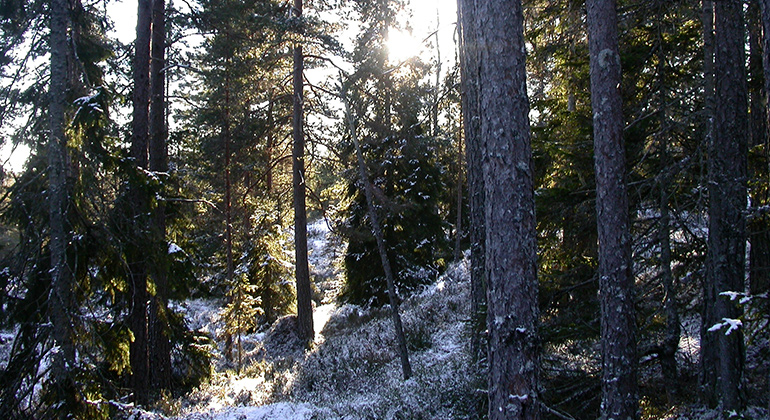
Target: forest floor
353,371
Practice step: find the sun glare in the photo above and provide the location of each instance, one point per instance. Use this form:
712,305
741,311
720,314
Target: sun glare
402,46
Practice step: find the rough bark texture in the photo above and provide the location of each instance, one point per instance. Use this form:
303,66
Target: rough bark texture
60,301
159,344
136,255
474,147
511,248
304,303
616,282
708,344
725,261
764,6
759,259
406,367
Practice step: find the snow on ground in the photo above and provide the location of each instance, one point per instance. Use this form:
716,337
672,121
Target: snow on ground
6,344
282,411
353,369
325,253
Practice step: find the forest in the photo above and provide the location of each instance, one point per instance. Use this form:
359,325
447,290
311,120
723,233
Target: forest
385,209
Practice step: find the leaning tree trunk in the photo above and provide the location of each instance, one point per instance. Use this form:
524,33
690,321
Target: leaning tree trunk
136,255
61,299
725,261
304,303
616,281
406,367
158,328
509,212
474,149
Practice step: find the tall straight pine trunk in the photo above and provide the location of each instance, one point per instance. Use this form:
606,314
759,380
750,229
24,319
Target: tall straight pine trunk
725,261
509,207
616,281
304,303
708,344
61,299
139,206
158,328
474,149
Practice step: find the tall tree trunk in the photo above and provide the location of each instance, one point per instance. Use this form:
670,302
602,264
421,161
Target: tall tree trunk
511,246
437,91
671,338
616,281
670,342
136,255
230,267
759,228
708,343
406,367
764,6
474,150
459,199
304,303
61,299
160,346
725,261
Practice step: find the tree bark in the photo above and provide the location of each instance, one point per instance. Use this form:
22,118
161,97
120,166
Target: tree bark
158,329
725,261
616,281
708,344
511,246
759,228
764,7
474,149
459,200
60,299
304,303
137,258
230,263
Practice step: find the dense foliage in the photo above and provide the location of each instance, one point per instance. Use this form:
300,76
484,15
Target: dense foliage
227,203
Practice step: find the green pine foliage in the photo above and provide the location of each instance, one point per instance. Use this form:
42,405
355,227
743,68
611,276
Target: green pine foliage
405,164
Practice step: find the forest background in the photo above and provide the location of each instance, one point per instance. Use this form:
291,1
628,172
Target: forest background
182,157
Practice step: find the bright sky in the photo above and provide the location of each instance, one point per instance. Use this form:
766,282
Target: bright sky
425,17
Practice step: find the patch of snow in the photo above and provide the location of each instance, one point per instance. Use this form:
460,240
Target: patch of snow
731,324
173,248
282,411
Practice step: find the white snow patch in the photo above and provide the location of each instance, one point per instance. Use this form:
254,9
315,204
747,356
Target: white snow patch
731,324
282,410
173,248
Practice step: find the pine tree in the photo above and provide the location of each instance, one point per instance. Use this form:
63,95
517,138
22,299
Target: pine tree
158,328
727,199
302,272
136,256
61,299
616,281
509,205
474,152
